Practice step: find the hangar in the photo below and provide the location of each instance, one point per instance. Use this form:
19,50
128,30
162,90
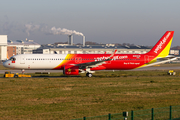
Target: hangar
91,49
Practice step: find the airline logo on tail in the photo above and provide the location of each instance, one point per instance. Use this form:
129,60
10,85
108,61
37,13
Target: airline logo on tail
162,47
159,47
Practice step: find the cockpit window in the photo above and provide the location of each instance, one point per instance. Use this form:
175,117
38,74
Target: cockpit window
12,59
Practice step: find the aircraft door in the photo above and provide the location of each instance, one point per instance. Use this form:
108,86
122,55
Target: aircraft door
22,60
146,59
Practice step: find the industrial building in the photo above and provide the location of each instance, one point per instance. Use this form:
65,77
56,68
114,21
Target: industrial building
11,50
23,47
3,47
70,40
91,49
70,48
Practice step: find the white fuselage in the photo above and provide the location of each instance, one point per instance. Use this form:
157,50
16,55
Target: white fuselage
35,61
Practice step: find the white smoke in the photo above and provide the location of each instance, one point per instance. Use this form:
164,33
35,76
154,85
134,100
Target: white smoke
64,31
29,28
8,27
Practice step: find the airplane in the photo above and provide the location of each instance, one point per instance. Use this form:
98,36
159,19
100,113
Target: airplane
73,64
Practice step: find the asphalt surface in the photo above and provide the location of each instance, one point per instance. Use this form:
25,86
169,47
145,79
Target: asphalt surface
158,68
30,71
56,71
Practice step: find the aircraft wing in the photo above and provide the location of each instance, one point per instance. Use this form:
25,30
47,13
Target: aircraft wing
95,63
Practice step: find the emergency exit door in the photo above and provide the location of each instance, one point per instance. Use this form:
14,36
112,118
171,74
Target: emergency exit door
22,61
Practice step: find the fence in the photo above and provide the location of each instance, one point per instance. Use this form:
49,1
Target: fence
165,113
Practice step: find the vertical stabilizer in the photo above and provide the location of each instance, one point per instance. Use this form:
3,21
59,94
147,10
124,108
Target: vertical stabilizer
162,47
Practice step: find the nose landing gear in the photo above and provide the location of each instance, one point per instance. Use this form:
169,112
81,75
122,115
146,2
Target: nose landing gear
22,71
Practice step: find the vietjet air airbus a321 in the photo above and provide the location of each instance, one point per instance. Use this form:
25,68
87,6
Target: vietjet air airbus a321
73,64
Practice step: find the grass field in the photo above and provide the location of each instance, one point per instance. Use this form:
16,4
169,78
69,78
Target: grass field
76,97
2,67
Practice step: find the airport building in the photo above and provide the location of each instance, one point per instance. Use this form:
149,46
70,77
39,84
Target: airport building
11,50
91,49
174,52
70,48
23,47
3,47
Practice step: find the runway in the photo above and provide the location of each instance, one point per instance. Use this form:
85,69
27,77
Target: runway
158,68
60,71
30,71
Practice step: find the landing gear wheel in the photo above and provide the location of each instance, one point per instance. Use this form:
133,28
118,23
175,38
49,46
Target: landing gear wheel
22,71
16,76
89,74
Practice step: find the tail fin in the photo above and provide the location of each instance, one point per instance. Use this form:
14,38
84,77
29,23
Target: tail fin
162,47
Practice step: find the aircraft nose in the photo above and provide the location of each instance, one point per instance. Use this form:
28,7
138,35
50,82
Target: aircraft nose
5,64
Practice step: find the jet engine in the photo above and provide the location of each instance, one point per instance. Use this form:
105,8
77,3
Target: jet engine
71,70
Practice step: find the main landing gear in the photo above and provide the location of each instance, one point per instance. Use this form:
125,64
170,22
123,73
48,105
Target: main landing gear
89,74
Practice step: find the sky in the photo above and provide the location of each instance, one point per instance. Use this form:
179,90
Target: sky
139,22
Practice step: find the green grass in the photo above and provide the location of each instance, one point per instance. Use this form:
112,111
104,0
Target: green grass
2,67
76,97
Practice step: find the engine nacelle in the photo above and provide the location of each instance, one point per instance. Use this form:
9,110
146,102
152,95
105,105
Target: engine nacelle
71,70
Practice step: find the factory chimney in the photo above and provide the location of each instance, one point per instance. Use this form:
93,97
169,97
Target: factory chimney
70,41
83,40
